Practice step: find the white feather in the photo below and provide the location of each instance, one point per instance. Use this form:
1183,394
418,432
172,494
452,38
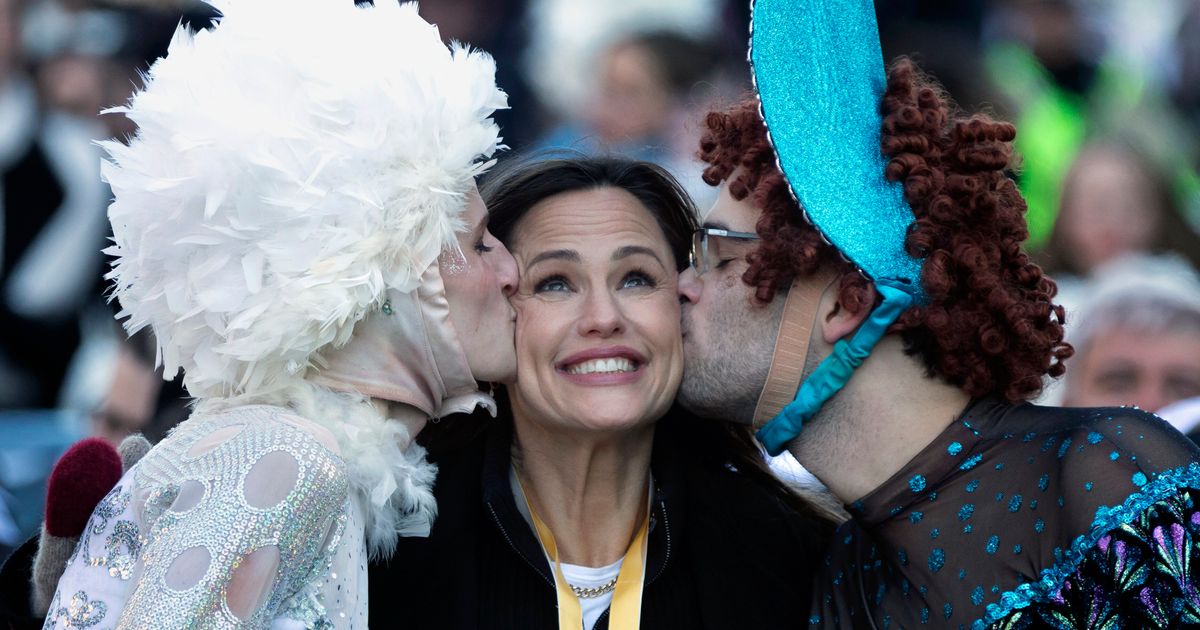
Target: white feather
291,165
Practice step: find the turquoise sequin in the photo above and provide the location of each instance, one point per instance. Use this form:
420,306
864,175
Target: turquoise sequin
937,559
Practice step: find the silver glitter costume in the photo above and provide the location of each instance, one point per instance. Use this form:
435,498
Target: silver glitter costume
200,520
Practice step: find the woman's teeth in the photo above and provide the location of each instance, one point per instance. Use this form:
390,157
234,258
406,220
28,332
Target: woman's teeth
602,366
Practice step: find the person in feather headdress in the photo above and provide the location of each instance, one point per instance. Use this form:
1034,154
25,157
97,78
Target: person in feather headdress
297,222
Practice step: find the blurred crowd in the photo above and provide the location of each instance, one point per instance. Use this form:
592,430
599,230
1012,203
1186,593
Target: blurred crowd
1105,95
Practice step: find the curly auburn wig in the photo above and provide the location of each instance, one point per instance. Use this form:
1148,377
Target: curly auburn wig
990,326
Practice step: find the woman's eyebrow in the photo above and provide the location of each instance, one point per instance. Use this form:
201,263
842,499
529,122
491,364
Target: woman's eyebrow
569,255
631,250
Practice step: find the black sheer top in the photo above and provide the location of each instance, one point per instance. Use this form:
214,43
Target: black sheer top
1025,516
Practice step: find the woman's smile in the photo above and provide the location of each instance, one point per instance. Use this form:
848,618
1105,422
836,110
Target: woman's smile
603,365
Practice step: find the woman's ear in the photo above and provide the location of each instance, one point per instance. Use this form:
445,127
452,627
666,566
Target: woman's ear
836,321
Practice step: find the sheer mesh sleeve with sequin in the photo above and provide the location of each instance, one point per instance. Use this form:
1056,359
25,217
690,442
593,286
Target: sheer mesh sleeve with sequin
217,527
1004,512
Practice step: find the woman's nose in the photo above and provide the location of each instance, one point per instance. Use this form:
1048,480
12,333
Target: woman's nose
601,316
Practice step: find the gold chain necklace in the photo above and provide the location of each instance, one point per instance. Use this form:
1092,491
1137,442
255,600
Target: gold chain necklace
594,591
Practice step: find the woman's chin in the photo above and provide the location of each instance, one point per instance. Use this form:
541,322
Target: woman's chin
612,416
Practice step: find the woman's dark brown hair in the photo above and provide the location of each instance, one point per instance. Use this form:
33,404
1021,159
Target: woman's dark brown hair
990,327
515,188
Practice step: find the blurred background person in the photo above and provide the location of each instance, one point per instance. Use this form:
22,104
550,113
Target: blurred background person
641,77
643,102
1071,71
1137,336
66,370
1115,203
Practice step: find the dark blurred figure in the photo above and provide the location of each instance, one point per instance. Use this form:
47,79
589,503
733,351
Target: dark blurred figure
1137,336
1115,202
50,260
1186,87
499,27
944,36
1045,60
1185,96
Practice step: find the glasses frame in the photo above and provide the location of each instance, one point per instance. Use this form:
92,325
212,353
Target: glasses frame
698,255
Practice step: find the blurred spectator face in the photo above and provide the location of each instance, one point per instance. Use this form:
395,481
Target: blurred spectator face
1109,209
1137,335
74,84
634,98
1124,366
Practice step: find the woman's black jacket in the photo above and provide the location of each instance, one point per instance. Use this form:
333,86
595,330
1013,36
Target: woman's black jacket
724,551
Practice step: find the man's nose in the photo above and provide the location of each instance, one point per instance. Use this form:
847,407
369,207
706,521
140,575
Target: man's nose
506,271
689,286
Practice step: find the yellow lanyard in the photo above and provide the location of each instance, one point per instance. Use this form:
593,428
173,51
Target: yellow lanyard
625,612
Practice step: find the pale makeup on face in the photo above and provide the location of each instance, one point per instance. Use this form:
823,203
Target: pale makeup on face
598,341
479,278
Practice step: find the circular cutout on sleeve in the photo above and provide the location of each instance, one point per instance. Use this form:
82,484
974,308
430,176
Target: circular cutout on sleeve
270,480
187,568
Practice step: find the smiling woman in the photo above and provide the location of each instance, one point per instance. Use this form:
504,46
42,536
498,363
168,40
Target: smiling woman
593,502
598,335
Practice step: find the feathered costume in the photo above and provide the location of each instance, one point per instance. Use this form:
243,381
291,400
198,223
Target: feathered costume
295,168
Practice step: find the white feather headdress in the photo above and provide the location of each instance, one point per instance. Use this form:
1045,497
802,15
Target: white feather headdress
291,164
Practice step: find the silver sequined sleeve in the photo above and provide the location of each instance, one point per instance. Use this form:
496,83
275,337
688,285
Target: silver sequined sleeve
229,551
230,517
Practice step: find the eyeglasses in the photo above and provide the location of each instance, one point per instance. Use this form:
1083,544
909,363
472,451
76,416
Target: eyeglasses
712,247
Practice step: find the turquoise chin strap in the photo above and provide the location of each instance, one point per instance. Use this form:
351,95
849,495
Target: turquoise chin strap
837,368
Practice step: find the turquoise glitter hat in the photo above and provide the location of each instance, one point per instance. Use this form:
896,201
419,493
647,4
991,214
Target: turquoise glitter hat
818,68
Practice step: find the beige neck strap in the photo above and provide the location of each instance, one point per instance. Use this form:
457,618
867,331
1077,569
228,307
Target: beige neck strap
791,349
